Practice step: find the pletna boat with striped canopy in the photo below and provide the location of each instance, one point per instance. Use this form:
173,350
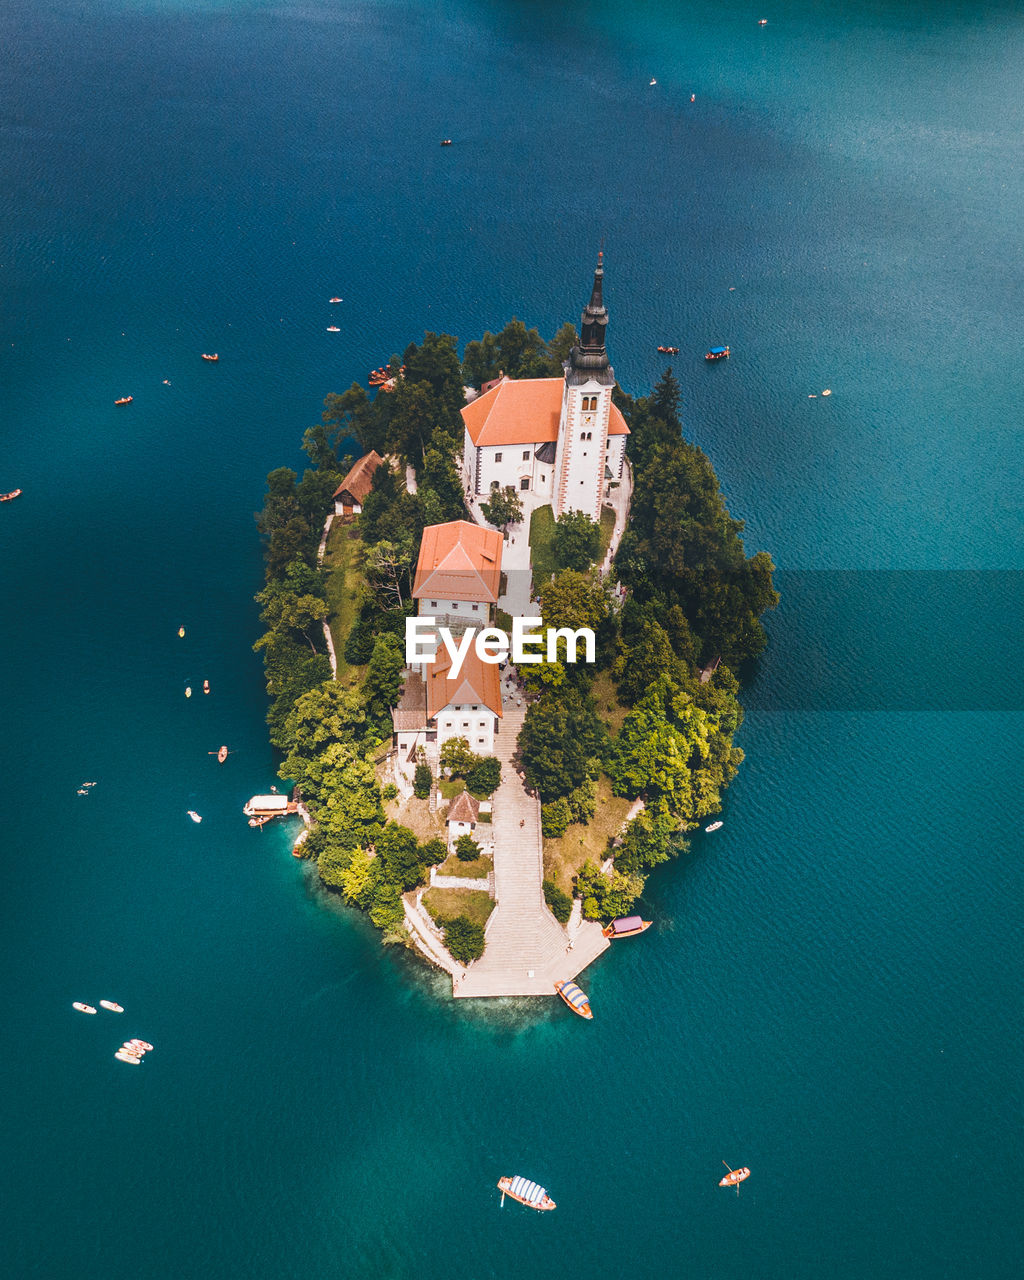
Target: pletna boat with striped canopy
526,1192
625,927
574,998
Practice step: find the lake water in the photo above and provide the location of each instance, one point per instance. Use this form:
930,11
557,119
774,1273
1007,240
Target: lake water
831,992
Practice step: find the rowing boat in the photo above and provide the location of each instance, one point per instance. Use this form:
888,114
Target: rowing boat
734,1177
574,998
526,1192
626,927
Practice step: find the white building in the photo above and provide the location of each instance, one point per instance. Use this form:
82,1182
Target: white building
561,439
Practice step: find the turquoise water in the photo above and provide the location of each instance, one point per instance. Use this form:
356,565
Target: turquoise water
831,993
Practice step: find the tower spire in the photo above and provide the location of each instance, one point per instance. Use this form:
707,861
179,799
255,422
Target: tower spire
589,358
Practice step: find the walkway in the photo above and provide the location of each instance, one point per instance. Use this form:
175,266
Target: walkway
527,950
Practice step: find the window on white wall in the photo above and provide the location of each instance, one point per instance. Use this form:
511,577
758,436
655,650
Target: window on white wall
497,457
525,482
526,455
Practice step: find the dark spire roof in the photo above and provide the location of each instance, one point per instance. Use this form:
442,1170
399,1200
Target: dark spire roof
588,360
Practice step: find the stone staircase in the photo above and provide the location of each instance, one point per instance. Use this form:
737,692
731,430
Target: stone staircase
527,949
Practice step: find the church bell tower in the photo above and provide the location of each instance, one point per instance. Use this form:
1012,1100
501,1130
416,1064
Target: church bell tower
586,405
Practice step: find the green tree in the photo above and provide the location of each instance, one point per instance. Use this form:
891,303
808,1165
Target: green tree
423,780
463,938
480,361
577,540
383,685
435,361
503,508
560,738
401,856
467,849
457,756
558,900
353,415
485,776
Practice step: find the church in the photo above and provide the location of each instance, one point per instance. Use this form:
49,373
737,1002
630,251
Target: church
559,439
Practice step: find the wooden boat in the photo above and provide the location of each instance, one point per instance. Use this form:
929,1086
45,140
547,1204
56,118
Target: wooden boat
122,1055
734,1177
626,927
575,999
188,691
713,826
446,142
222,754
206,686
333,299
112,1005
124,400
214,357
6,497
526,1192
181,632
718,353
83,1008
669,351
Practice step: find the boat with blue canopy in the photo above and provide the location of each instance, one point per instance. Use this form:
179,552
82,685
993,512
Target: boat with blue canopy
574,998
526,1192
718,353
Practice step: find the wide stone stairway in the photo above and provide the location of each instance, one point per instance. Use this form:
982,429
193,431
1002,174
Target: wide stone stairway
527,949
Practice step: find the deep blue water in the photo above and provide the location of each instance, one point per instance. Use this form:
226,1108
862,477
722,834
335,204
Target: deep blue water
831,994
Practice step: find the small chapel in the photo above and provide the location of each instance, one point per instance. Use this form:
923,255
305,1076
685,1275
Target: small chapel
560,439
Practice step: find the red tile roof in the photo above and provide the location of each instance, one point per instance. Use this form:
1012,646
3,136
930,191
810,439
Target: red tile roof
477,684
459,561
523,412
464,808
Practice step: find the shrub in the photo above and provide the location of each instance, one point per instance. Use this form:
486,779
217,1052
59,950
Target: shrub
359,645
463,938
389,792
555,818
467,849
433,851
423,780
559,901
485,775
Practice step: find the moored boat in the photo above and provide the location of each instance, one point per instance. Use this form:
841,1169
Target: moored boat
574,998
122,1055
212,357
626,927
6,497
717,353
734,1177
125,400
83,1008
526,1192
112,1005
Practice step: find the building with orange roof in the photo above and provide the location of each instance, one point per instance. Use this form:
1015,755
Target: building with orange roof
559,439
436,706
351,493
458,574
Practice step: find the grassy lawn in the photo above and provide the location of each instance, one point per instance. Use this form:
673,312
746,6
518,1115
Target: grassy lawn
607,529
341,560
564,857
446,903
478,869
542,544
450,787
609,709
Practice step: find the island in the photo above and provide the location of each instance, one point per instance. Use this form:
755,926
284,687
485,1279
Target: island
502,647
